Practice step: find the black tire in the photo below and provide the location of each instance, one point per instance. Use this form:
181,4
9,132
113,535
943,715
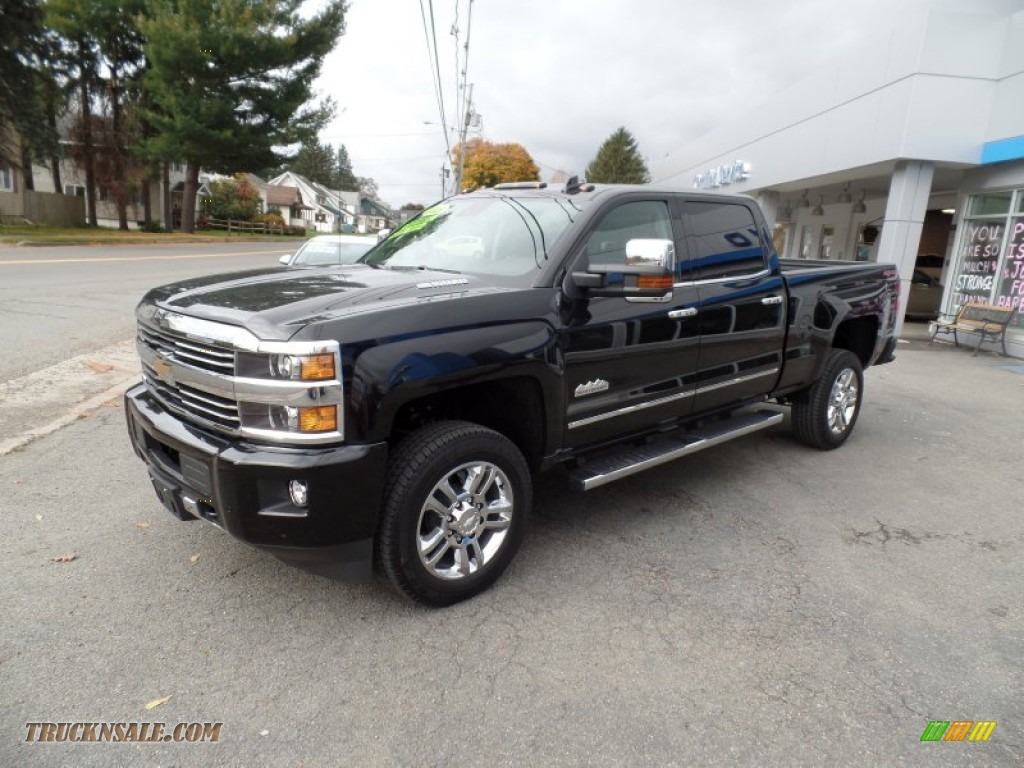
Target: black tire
482,526
825,413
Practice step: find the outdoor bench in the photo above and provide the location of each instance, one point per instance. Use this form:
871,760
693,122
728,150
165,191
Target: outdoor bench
987,321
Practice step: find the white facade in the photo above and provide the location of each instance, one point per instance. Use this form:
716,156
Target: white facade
928,115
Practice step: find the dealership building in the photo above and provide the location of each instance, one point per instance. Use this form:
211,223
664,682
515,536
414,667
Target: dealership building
909,151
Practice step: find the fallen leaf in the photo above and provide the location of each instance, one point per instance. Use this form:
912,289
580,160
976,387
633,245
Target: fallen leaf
39,518
157,702
114,403
194,559
99,367
142,525
66,558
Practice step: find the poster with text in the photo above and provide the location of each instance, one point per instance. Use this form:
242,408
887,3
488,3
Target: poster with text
979,259
1011,286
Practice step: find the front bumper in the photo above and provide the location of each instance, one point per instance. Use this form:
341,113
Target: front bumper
242,487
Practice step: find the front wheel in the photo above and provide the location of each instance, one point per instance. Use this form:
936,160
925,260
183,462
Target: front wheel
455,509
824,414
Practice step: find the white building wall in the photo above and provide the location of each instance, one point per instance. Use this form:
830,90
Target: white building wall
934,89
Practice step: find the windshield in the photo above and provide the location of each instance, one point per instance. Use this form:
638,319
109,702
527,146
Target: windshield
499,236
331,252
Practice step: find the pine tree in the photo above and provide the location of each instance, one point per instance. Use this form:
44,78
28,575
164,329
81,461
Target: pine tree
315,161
27,87
618,161
74,22
230,81
346,178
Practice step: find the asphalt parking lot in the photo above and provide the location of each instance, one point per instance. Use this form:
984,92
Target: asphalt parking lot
757,604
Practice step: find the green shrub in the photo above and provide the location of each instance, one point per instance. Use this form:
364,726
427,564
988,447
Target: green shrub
231,199
273,220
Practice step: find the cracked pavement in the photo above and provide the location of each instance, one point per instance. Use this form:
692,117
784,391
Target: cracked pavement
757,604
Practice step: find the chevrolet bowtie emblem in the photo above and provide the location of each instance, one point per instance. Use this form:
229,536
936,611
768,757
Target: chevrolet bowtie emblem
163,369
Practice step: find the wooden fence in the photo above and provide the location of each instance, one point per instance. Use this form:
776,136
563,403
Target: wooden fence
245,227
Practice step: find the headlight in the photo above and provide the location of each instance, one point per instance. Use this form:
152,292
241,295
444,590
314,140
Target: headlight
287,418
302,367
320,367
290,392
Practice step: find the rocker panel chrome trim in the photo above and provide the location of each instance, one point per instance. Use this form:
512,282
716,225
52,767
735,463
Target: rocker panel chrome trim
670,398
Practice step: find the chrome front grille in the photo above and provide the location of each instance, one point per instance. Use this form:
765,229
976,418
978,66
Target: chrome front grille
210,408
199,354
159,348
195,368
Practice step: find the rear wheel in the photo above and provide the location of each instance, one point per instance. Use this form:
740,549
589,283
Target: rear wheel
825,413
455,509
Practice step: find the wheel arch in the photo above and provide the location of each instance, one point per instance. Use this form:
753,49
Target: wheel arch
513,406
858,335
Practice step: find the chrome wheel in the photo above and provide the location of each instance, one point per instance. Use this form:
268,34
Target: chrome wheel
825,413
465,520
842,404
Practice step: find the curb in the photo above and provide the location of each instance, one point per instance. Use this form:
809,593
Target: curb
91,404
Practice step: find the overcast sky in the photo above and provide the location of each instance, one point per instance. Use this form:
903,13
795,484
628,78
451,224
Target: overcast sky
558,76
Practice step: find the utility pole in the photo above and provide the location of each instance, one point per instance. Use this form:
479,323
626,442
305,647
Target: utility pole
462,140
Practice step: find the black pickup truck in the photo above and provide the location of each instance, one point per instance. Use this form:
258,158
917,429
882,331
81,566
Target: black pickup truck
394,411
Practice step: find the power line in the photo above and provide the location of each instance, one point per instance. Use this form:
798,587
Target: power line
455,34
466,105
435,69
340,136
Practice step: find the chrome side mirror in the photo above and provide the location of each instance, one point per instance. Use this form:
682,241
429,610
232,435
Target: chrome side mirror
648,271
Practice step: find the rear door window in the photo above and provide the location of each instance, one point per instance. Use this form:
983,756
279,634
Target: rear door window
726,243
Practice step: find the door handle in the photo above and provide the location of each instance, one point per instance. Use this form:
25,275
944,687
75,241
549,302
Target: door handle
769,300
676,314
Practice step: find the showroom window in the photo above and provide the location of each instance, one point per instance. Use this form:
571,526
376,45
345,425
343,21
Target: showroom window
990,253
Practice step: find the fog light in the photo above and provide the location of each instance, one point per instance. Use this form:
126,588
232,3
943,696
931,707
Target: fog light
299,492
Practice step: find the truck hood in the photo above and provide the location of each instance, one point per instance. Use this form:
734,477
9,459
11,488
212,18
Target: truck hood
277,302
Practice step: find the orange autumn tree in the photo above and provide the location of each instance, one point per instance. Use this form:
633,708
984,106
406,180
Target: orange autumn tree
488,164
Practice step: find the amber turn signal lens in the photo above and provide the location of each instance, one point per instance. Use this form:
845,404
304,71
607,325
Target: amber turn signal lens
647,281
323,418
318,367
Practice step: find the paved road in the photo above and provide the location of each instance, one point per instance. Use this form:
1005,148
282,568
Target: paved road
59,302
758,604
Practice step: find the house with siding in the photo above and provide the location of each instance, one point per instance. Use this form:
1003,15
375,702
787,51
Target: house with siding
325,209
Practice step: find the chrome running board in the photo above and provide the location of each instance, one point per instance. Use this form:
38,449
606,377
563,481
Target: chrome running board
615,464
